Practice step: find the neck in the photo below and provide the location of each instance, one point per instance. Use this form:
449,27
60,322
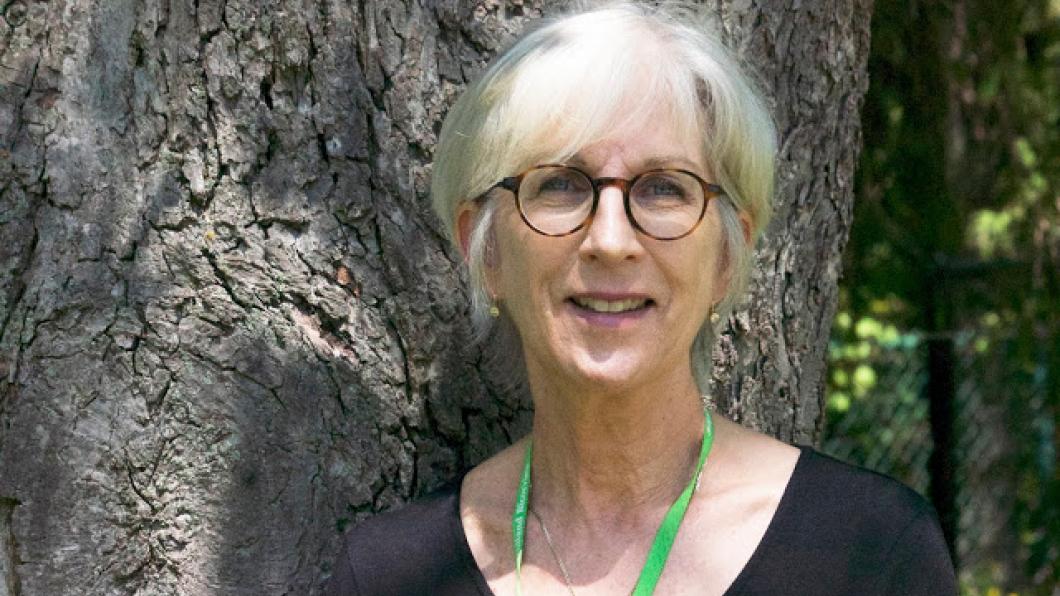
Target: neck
603,459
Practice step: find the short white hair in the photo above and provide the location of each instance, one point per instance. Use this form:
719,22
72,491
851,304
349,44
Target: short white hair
572,80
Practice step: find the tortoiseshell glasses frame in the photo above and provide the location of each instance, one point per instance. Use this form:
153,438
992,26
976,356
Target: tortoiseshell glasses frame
702,192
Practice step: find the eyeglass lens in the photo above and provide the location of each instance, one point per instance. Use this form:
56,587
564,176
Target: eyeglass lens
557,200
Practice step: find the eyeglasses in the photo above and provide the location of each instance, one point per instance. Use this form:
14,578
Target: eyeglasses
557,200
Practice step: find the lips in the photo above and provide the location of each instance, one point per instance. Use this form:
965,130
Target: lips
610,306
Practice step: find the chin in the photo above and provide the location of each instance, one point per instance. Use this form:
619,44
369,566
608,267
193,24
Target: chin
611,371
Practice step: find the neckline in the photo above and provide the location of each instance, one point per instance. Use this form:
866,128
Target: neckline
761,550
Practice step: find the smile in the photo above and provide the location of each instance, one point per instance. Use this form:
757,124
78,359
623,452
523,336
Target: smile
611,306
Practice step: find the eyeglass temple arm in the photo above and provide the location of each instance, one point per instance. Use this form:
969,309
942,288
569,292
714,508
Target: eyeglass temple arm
510,183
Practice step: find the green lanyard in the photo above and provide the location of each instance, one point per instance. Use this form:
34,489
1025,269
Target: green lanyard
664,537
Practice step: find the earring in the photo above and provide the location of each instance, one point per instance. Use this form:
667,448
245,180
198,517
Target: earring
494,311
714,317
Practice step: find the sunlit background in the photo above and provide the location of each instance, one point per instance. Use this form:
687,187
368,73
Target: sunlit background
945,354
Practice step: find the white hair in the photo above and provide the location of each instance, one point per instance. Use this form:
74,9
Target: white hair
570,82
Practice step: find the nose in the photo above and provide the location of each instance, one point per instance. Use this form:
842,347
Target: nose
610,235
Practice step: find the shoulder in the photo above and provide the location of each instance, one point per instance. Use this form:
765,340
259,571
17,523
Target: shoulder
864,500
856,531
486,506
429,517
411,550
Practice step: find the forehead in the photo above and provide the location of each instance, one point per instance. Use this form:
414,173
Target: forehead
656,143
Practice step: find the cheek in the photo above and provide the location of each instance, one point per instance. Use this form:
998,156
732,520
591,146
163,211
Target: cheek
704,279
522,290
501,255
712,259
518,274
531,270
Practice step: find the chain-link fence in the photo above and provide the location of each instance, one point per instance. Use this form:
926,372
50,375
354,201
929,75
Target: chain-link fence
886,428
998,436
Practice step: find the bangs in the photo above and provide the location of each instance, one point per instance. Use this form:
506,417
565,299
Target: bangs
589,84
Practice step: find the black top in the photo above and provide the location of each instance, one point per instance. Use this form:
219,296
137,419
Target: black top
838,530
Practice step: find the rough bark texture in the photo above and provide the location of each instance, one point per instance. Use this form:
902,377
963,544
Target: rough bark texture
229,326
811,58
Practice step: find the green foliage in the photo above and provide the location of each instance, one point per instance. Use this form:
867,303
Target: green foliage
957,229
875,416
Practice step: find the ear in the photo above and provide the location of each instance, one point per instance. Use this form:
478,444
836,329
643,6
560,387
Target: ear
747,225
722,289
465,222
466,216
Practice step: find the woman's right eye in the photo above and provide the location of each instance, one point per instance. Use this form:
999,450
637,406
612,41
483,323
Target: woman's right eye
557,184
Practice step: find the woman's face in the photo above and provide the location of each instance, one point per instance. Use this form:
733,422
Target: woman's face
563,292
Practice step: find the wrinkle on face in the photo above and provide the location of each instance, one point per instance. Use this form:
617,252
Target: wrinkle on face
535,276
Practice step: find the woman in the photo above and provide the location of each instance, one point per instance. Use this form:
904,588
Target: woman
605,180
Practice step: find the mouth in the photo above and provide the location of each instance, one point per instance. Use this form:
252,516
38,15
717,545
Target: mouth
607,306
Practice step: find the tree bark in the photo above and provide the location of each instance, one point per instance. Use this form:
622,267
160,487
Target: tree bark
229,324
811,58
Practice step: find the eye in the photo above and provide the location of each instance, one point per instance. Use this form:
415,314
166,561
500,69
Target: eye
663,187
557,184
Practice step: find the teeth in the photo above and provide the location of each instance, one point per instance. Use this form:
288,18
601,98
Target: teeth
610,305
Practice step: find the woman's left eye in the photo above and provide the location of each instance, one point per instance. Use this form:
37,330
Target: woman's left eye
663,188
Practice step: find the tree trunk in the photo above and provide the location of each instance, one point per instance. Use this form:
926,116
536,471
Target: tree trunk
811,58
229,325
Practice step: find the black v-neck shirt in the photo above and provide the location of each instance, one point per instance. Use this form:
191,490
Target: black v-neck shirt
838,530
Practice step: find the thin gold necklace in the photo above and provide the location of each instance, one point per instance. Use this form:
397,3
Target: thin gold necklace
555,555
664,536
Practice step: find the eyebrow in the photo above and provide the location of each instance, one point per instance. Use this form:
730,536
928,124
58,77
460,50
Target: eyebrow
670,160
651,163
